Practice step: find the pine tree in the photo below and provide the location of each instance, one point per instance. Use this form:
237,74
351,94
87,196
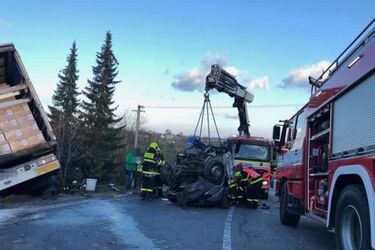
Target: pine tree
65,98
63,114
102,139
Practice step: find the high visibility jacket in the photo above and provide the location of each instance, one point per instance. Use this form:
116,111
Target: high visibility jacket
149,156
149,166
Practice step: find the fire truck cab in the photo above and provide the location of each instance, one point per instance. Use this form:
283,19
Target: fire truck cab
326,163
257,152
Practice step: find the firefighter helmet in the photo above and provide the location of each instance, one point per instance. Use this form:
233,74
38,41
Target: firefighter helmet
155,146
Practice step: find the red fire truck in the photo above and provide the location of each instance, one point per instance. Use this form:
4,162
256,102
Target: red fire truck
326,163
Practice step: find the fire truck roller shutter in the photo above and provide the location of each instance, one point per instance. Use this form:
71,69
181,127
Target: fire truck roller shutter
354,118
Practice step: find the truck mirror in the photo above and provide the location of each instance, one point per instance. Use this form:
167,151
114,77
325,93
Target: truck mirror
276,132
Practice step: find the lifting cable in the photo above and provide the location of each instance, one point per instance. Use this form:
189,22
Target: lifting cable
206,108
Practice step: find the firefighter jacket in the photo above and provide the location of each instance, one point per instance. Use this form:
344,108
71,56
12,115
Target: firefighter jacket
152,162
252,176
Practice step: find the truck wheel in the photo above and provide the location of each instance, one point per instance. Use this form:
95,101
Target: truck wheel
286,218
214,171
352,220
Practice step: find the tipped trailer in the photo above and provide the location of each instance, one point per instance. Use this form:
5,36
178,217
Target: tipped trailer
326,163
27,143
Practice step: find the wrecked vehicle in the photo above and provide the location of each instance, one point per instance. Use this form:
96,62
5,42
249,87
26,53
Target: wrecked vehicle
199,176
201,173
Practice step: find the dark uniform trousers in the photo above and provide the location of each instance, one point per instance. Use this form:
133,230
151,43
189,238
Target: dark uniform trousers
253,192
150,175
245,191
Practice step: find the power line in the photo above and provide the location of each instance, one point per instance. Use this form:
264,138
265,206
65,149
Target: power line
225,107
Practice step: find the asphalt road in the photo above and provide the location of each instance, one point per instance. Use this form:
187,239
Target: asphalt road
126,222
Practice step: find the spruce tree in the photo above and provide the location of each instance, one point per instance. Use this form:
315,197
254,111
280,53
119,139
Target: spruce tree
63,114
65,97
102,139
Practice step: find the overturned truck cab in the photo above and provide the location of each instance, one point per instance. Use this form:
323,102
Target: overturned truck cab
199,176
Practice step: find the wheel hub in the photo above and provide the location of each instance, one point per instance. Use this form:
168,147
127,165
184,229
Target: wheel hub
216,171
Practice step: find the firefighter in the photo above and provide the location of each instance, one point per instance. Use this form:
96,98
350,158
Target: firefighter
236,192
254,187
245,186
150,172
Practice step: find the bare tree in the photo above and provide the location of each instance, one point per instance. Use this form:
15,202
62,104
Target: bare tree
68,147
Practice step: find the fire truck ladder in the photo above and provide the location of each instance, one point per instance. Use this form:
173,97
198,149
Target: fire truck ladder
317,83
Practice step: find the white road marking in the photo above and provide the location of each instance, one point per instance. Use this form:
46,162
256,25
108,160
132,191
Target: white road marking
227,242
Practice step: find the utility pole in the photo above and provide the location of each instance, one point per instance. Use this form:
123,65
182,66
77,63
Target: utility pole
137,124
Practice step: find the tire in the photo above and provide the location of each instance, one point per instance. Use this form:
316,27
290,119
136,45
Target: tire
352,220
286,218
214,171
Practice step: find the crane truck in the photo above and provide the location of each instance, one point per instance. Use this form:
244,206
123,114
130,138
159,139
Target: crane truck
200,174
326,163
255,151
27,143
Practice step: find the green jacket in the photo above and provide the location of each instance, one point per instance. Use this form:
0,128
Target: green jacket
130,161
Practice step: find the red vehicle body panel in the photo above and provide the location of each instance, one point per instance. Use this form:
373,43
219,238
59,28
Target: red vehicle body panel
338,83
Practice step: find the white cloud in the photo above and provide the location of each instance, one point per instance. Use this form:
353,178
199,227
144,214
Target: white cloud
194,79
299,77
258,83
190,80
232,70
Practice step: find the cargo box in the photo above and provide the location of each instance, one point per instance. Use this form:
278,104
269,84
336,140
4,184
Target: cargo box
25,132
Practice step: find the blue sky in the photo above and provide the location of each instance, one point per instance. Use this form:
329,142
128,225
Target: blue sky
267,44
